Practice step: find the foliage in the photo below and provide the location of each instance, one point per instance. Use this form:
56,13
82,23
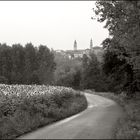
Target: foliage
68,71
118,69
122,21
46,65
27,107
26,65
84,73
91,75
3,80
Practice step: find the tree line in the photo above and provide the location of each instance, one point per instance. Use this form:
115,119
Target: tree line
26,64
81,73
122,48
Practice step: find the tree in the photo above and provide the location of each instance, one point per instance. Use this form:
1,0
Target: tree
122,21
46,65
5,61
18,63
26,65
68,71
3,80
91,73
31,63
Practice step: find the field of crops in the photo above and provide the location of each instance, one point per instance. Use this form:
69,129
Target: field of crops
24,108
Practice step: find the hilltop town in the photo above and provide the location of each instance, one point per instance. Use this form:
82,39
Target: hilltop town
78,53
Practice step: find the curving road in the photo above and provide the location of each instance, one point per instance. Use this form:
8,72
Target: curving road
96,122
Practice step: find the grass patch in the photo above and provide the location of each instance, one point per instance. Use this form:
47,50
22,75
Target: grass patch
128,127
24,108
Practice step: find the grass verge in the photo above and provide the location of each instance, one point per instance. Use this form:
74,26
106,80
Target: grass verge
127,127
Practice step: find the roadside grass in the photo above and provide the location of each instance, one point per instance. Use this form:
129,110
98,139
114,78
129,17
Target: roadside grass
128,127
24,111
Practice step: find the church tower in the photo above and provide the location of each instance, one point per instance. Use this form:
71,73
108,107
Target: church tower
91,44
75,45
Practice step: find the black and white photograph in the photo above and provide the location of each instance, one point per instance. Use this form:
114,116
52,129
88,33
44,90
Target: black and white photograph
70,69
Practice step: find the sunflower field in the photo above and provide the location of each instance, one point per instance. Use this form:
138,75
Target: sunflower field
24,108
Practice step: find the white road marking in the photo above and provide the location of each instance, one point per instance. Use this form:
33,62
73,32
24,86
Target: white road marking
91,105
70,118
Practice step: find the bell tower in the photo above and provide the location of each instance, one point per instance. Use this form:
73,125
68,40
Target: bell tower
75,45
91,44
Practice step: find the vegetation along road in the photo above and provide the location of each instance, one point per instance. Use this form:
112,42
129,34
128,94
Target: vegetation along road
97,121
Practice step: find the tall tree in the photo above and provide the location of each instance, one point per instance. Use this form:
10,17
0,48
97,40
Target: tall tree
123,20
91,72
26,65
5,62
18,63
31,63
46,65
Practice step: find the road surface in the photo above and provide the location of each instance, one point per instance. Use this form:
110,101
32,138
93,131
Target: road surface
96,122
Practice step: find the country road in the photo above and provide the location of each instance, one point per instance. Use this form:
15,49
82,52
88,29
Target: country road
96,122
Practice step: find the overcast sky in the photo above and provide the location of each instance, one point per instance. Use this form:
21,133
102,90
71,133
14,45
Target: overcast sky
53,23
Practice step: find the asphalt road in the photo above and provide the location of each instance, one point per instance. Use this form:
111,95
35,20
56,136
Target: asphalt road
96,122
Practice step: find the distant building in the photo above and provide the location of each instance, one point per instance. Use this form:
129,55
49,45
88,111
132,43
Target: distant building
75,53
91,44
75,45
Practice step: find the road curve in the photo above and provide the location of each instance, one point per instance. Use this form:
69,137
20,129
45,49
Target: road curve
96,122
